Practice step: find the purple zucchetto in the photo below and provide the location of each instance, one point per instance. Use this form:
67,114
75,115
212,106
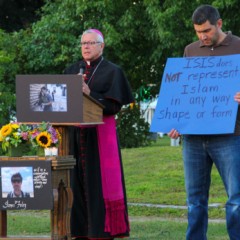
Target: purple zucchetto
96,31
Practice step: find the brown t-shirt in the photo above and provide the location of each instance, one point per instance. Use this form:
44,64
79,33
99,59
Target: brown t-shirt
229,46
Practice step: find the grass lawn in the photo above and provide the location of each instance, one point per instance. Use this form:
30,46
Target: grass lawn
153,175
171,230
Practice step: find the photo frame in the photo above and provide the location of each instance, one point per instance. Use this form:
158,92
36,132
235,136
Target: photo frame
34,92
32,179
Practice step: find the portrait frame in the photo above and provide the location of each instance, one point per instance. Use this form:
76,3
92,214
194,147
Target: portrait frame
37,173
25,99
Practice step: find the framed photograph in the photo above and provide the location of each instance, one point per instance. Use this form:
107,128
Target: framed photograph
50,98
25,185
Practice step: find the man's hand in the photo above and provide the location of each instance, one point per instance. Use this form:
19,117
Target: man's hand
173,134
85,88
237,97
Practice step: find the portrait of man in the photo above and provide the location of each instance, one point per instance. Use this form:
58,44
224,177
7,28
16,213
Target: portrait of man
17,192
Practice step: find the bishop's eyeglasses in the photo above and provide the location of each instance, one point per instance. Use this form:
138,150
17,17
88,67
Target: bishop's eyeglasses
89,43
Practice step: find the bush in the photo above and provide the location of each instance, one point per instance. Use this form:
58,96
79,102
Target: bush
8,69
133,130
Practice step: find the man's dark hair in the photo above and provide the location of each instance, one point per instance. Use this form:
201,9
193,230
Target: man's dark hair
43,88
16,177
205,13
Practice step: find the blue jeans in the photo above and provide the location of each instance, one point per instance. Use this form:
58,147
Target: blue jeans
199,154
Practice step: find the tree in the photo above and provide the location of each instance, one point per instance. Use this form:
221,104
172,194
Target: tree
53,42
139,35
133,130
8,69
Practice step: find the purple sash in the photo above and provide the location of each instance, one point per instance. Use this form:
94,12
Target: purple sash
116,219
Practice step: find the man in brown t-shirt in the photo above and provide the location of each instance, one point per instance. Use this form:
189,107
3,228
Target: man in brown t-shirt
200,152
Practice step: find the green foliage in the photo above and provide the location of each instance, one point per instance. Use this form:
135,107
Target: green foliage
139,36
132,129
53,42
229,12
8,69
48,45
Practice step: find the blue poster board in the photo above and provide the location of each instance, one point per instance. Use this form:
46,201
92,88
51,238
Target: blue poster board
197,95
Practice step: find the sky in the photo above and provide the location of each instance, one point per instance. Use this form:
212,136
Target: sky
27,175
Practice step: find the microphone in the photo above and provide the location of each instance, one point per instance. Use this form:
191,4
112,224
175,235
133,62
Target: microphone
82,68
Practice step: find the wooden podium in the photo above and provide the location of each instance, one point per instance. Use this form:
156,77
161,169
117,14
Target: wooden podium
61,165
